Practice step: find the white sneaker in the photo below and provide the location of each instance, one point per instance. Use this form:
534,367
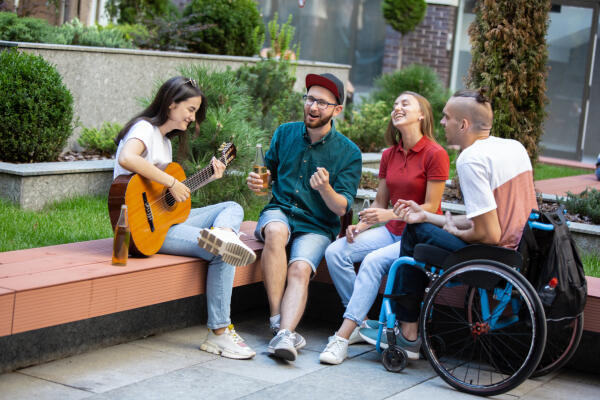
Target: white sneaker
282,345
226,244
355,336
229,344
336,350
299,341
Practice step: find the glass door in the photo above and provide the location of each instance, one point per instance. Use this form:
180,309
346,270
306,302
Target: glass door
570,50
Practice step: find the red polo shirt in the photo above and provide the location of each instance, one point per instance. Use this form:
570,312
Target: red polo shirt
406,176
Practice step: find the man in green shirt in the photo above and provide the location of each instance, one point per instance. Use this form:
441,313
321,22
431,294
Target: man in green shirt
314,171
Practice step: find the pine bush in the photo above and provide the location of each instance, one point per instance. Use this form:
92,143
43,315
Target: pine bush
36,110
509,57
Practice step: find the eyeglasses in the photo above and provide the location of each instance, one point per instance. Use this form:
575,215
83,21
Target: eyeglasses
191,82
322,104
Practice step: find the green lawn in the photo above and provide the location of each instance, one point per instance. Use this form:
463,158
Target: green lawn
74,220
547,171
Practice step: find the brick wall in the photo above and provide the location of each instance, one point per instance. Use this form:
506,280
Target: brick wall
429,44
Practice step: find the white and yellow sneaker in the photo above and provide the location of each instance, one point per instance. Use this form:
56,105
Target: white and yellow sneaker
224,243
228,344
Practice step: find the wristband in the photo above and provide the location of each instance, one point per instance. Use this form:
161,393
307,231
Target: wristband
173,184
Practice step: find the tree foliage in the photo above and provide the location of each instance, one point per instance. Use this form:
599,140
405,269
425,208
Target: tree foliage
509,57
404,15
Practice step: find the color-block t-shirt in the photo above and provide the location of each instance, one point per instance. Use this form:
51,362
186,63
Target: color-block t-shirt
496,174
406,175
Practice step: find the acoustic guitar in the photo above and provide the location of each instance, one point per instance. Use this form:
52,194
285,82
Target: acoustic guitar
151,207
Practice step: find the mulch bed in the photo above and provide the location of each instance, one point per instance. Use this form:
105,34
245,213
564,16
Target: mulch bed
82,155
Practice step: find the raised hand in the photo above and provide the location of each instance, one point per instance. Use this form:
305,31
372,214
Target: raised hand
320,179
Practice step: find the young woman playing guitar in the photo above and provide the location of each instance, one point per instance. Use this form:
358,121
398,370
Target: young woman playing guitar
144,148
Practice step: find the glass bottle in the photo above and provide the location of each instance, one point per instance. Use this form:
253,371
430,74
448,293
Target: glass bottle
261,169
121,242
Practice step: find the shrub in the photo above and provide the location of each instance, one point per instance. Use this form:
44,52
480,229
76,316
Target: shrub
509,57
404,15
586,203
76,33
15,29
236,27
138,11
367,124
134,33
36,109
101,140
178,34
419,79
271,86
281,37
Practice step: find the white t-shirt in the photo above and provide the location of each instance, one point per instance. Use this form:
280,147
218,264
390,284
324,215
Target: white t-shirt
496,174
158,148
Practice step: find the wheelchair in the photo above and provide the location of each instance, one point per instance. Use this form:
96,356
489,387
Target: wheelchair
482,324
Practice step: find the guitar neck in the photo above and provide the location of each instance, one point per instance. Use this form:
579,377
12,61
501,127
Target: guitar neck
200,178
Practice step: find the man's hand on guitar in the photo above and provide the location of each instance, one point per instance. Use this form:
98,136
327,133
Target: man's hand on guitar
179,191
219,169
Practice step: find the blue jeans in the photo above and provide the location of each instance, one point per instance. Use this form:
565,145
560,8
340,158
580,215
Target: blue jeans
305,246
411,280
182,240
377,248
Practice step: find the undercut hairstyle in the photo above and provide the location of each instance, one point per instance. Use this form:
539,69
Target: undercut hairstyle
175,90
393,135
480,114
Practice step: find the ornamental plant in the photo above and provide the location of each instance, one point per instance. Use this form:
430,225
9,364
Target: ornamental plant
36,110
101,140
236,27
404,15
509,55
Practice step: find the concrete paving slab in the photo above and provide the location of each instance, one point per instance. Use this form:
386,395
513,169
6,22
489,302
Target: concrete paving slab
194,382
109,368
567,385
23,387
366,377
302,391
183,343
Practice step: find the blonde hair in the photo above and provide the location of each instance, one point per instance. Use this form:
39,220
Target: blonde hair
393,136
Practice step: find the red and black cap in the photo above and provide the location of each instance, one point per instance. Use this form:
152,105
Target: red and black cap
329,82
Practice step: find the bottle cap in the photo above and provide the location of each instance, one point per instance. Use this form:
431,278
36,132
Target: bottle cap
123,206
553,282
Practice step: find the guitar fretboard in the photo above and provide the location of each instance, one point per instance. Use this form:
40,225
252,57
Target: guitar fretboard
197,180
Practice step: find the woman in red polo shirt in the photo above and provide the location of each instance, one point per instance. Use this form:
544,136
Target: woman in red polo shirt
414,167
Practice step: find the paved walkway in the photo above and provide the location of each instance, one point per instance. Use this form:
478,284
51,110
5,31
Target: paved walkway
574,184
169,366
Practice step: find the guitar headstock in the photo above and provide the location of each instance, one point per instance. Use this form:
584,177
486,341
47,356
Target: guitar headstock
228,152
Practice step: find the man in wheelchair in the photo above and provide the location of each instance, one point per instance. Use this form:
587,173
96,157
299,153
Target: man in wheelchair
496,181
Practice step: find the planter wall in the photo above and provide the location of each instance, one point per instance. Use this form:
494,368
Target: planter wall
34,185
106,83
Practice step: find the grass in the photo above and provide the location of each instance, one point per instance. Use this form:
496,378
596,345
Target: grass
73,220
591,264
547,171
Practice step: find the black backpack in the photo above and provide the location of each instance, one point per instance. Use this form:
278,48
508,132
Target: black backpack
551,257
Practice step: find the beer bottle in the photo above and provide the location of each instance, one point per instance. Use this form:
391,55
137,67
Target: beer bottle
261,169
121,242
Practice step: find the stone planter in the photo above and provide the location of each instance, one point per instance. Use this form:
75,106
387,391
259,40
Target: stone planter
34,185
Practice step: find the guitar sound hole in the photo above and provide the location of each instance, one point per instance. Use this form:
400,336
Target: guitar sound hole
169,199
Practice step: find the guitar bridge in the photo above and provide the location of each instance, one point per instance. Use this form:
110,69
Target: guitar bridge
149,215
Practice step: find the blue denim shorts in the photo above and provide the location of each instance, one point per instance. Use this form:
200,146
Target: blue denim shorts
303,246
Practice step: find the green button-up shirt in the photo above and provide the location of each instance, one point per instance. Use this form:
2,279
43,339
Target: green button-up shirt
293,159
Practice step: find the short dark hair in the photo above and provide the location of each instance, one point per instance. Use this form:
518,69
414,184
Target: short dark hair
480,95
175,90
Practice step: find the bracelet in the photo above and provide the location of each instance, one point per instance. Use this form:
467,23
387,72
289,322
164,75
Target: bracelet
173,184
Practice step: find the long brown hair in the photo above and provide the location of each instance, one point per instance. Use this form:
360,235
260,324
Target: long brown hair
393,135
175,90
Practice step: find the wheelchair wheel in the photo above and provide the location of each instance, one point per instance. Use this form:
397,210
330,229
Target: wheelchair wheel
562,340
394,359
494,343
